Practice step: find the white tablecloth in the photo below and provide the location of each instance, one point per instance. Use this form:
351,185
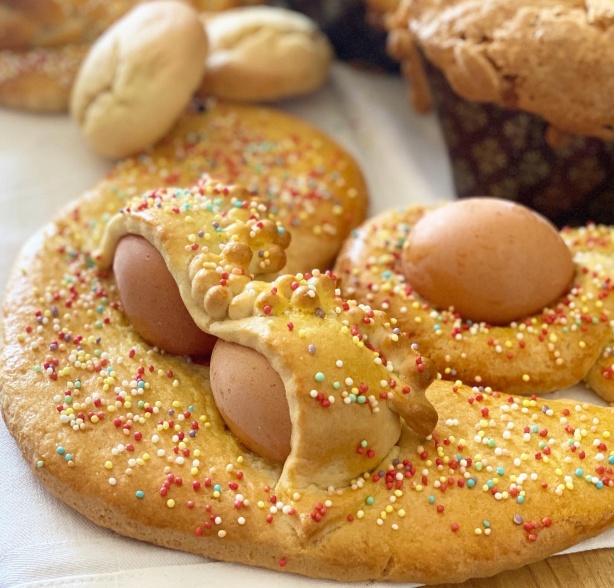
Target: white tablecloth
44,163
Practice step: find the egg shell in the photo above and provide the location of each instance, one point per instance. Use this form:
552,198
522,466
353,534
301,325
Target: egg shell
491,260
151,301
251,398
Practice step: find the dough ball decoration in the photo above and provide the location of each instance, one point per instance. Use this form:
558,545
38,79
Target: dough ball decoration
312,185
487,259
548,350
138,77
132,438
264,53
219,235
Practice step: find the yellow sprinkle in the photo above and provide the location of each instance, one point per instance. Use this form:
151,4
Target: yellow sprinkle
360,514
526,377
108,465
170,503
401,512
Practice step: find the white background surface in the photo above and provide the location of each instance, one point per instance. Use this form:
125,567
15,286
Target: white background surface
44,163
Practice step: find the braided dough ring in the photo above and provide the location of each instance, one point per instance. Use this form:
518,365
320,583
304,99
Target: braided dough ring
545,352
132,438
314,187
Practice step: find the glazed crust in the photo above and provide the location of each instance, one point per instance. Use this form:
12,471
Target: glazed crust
132,439
550,58
542,353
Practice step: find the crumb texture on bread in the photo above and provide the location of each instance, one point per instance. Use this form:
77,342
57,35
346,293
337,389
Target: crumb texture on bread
550,58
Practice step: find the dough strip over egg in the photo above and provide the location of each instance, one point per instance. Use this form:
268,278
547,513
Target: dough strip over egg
349,374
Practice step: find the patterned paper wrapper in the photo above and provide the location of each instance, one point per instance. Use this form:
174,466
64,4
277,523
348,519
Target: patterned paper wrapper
504,153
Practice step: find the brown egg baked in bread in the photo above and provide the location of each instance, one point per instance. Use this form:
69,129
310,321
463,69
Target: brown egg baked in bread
484,255
132,438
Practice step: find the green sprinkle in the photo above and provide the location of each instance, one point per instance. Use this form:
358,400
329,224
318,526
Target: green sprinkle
319,377
370,500
431,499
361,399
140,494
61,450
40,464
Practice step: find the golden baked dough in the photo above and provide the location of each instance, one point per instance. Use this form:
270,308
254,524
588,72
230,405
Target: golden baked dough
264,53
315,187
139,77
550,58
132,439
542,353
